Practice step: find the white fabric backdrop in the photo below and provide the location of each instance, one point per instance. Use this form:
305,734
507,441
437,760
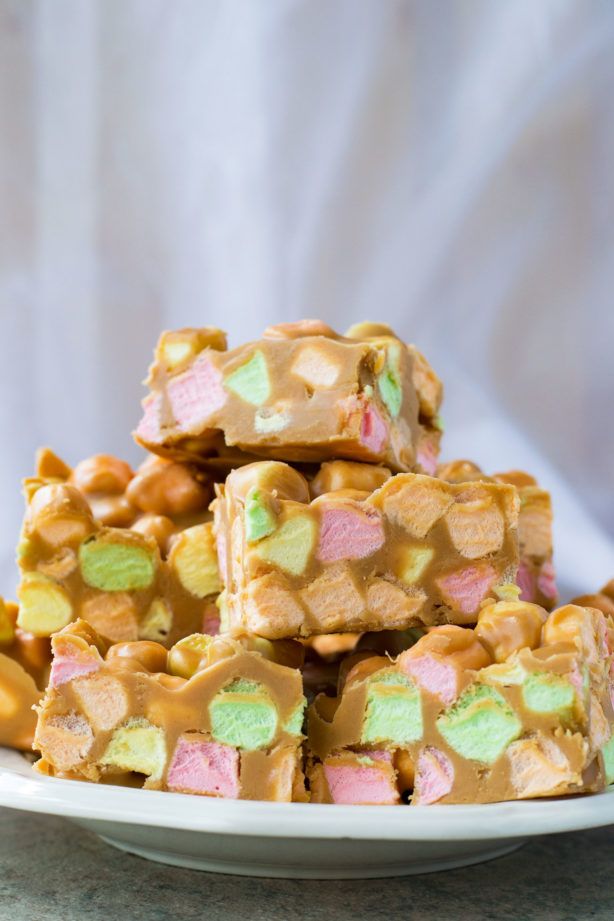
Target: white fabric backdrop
445,165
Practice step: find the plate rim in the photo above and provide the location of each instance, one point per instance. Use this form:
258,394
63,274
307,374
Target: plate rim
21,788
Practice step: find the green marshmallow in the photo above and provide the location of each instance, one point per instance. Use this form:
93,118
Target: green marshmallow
113,566
394,710
290,547
607,753
243,715
138,746
259,517
543,692
294,725
251,380
480,725
389,383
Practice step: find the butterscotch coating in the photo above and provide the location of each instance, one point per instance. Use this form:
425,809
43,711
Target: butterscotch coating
603,599
110,712
150,655
415,551
508,626
101,473
537,723
336,475
458,645
120,497
164,488
301,393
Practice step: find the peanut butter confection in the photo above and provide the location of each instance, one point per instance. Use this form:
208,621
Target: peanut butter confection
211,716
153,578
301,393
536,576
415,551
24,671
518,707
603,599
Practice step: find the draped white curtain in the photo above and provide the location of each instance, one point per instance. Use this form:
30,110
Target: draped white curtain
443,165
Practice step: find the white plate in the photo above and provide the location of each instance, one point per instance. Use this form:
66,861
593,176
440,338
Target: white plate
294,839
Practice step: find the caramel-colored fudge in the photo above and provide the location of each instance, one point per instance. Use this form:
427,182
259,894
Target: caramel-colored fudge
117,578
603,599
536,576
516,708
212,716
24,670
415,551
301,393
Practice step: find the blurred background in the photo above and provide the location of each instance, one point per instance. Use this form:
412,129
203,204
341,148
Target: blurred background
445,166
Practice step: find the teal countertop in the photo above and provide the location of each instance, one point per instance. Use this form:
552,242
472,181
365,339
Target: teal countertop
52,871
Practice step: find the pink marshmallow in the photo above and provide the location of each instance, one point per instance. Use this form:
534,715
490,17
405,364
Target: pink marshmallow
464,589
211,620
525,580
373,429
436,677
546,581
196,394
361,784
349,534
208,768
71,665
434,776
427,457
149,427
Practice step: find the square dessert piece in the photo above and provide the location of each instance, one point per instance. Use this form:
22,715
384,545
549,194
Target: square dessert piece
415,551
130,553
212,716
516,708
536,577
24,671
301,393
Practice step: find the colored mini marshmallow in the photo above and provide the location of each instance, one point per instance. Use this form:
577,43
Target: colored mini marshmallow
194,396
243,715
394,710
138,746
434,776
208,768
114,566
72,658
480,725
361,780
251,380
290,546
463,589
349,533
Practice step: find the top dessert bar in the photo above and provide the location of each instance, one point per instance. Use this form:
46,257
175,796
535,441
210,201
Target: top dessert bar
301,393
536,576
